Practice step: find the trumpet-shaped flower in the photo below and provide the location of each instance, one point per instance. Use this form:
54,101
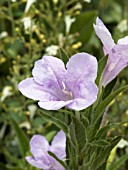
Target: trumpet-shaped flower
117,53
39,148
56,87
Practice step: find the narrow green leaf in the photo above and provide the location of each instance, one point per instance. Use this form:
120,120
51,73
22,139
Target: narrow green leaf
58,160
103,131
63,55
107,101
22,138
108,89
80,133
117,164
104,153
85,121
45,114
101,143
85,166
101,65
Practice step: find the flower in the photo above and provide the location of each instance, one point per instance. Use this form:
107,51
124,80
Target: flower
56,87
29,4
52,50
117,53
40,147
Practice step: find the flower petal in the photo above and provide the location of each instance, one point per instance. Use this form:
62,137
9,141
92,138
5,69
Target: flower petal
123,41
85,94
53,105
35,91
104,35
36,163
58,145
117,61
58,166
49,69
81,65
39,147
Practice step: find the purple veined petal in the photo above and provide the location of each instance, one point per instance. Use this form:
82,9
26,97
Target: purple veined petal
85,94
80,66
103,33
117,61
35,91
39,148
36,163
123,41
57,166
53,105
58,145
49,69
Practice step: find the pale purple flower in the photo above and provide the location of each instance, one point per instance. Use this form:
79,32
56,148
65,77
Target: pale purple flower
117,53
40,147
56,87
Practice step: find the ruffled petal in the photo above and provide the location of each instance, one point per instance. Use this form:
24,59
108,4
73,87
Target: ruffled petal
53,105
35,91
49,70
117,61
80,66
85,94
104,35
58,145
36,163
39,146
123,41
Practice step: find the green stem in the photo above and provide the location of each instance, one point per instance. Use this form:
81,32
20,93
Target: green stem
77,114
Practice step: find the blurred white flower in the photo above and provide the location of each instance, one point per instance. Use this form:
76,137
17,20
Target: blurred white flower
6,92
68,22
28,5
32,109
78,6
27,23
52,50
122,143
123,26
13,0
26,125
55,1
3,34
87,1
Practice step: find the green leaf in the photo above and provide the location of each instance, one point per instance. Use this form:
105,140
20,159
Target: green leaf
101,65
63,55
72,134
117,164
101,143
22,138
103,131
58,160
79,133
46,115
107,101
108,89
84,25
85,121
85,166
102,156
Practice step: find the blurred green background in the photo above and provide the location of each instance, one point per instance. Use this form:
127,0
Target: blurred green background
33,28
